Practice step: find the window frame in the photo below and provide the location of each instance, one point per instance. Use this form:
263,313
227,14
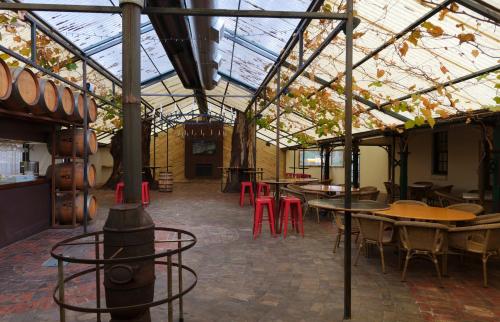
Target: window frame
439,165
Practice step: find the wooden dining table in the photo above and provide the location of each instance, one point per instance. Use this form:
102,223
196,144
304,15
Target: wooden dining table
326,188
418,212
356,205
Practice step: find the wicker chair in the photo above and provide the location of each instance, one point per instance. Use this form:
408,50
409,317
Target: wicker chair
477,239
326,182
485,219
446,199
391,195
338,220
433,199
367,195
410,202
375,230
468,207
422,238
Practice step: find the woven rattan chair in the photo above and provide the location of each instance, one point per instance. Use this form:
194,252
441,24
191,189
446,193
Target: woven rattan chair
325,182
311,196
375,230
410,202
468,207
433,199
422,238
391,195
447,199
485,219
478,239
368,195
338,220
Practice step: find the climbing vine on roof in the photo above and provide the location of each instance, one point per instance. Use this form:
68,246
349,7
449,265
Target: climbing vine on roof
386,78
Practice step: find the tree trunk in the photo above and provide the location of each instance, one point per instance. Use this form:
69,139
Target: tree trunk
241,147
116,151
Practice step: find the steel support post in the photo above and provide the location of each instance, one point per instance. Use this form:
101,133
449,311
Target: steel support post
355,164
278,111
348,159
132,151
496,167
33,42
85,148
328,151
255,140
403,168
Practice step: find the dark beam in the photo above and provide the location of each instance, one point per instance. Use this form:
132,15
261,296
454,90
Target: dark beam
177,11
483,8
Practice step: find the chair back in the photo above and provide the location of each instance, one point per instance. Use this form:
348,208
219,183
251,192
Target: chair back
368,195
391,195
368,188
485,219
424,183
326,182
422,236
478,238
467,207
294,187
293,193
375,228
410,202
446,199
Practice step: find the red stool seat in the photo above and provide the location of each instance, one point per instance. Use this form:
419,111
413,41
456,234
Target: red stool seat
244,186
260,203
290,206
144,192
263,189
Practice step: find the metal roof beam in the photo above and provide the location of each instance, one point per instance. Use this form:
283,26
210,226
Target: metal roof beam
113,41
482,8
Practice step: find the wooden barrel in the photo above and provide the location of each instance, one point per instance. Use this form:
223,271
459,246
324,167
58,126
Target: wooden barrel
77,115
91,107
64,179
65,204
65,139
166,181
25,90
66,103
5,81
49,98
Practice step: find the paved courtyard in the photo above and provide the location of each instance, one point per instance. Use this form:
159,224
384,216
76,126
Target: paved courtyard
268,279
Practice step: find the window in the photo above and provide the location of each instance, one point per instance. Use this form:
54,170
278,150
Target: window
11,154
311,159
440,153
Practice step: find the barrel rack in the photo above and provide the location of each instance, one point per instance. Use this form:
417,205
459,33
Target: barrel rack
54,190
184,241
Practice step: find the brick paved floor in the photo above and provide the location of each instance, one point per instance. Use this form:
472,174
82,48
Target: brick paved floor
263,280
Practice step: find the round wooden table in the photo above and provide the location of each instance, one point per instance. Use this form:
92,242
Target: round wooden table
356,205
474,196
405,211
326,188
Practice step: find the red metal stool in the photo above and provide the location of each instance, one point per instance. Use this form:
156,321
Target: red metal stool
244,185
145,193
119,192
263,189
260,203
291,206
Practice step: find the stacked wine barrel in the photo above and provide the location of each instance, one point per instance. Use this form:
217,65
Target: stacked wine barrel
69,175
23,91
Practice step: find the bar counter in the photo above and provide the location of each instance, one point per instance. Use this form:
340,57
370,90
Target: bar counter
25,209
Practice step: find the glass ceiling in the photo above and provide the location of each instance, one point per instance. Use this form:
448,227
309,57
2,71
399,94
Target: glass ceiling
250,46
